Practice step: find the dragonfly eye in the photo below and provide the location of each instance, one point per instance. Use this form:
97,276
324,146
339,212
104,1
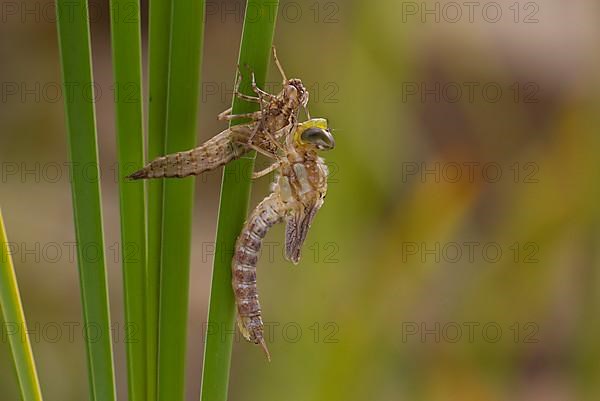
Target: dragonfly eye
319,137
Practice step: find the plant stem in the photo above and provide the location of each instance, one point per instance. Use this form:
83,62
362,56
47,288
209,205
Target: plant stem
12,311
255,49
127,66
74,44
187,28
158,68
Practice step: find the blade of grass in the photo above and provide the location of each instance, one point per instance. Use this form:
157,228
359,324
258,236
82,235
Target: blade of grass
12,311
158,68
127,67
255,49
75,53
187,28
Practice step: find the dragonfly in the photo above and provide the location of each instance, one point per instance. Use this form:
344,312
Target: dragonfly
298,193
277,115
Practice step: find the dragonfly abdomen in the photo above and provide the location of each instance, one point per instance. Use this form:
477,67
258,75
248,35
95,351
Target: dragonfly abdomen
268,213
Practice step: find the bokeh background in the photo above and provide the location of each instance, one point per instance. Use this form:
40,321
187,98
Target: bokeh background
456,257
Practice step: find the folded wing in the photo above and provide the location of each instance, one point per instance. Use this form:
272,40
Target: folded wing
297,226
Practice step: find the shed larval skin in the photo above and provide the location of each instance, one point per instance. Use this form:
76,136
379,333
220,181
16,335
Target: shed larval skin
278,115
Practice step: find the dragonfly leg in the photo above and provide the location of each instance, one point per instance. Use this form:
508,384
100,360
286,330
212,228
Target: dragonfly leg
248,98
263,172
274,141
263,151
226,115
269,136
223,114
261,93
281,132
307,113
279,67
237,93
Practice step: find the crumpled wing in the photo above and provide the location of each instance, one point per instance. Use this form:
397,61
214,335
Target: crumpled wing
296,229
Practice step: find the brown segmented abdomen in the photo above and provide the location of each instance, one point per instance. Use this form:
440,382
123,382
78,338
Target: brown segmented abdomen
268,213
216,152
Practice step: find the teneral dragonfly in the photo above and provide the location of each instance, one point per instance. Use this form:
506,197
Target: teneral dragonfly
278,114
298,193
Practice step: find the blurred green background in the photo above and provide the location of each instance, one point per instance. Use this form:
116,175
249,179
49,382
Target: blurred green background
456,256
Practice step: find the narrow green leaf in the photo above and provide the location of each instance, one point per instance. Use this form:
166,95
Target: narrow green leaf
255,50
75,52
187,28
127,66
12,311
158,68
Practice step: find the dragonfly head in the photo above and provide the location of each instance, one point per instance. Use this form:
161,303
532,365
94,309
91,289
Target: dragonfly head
296,90
315,132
